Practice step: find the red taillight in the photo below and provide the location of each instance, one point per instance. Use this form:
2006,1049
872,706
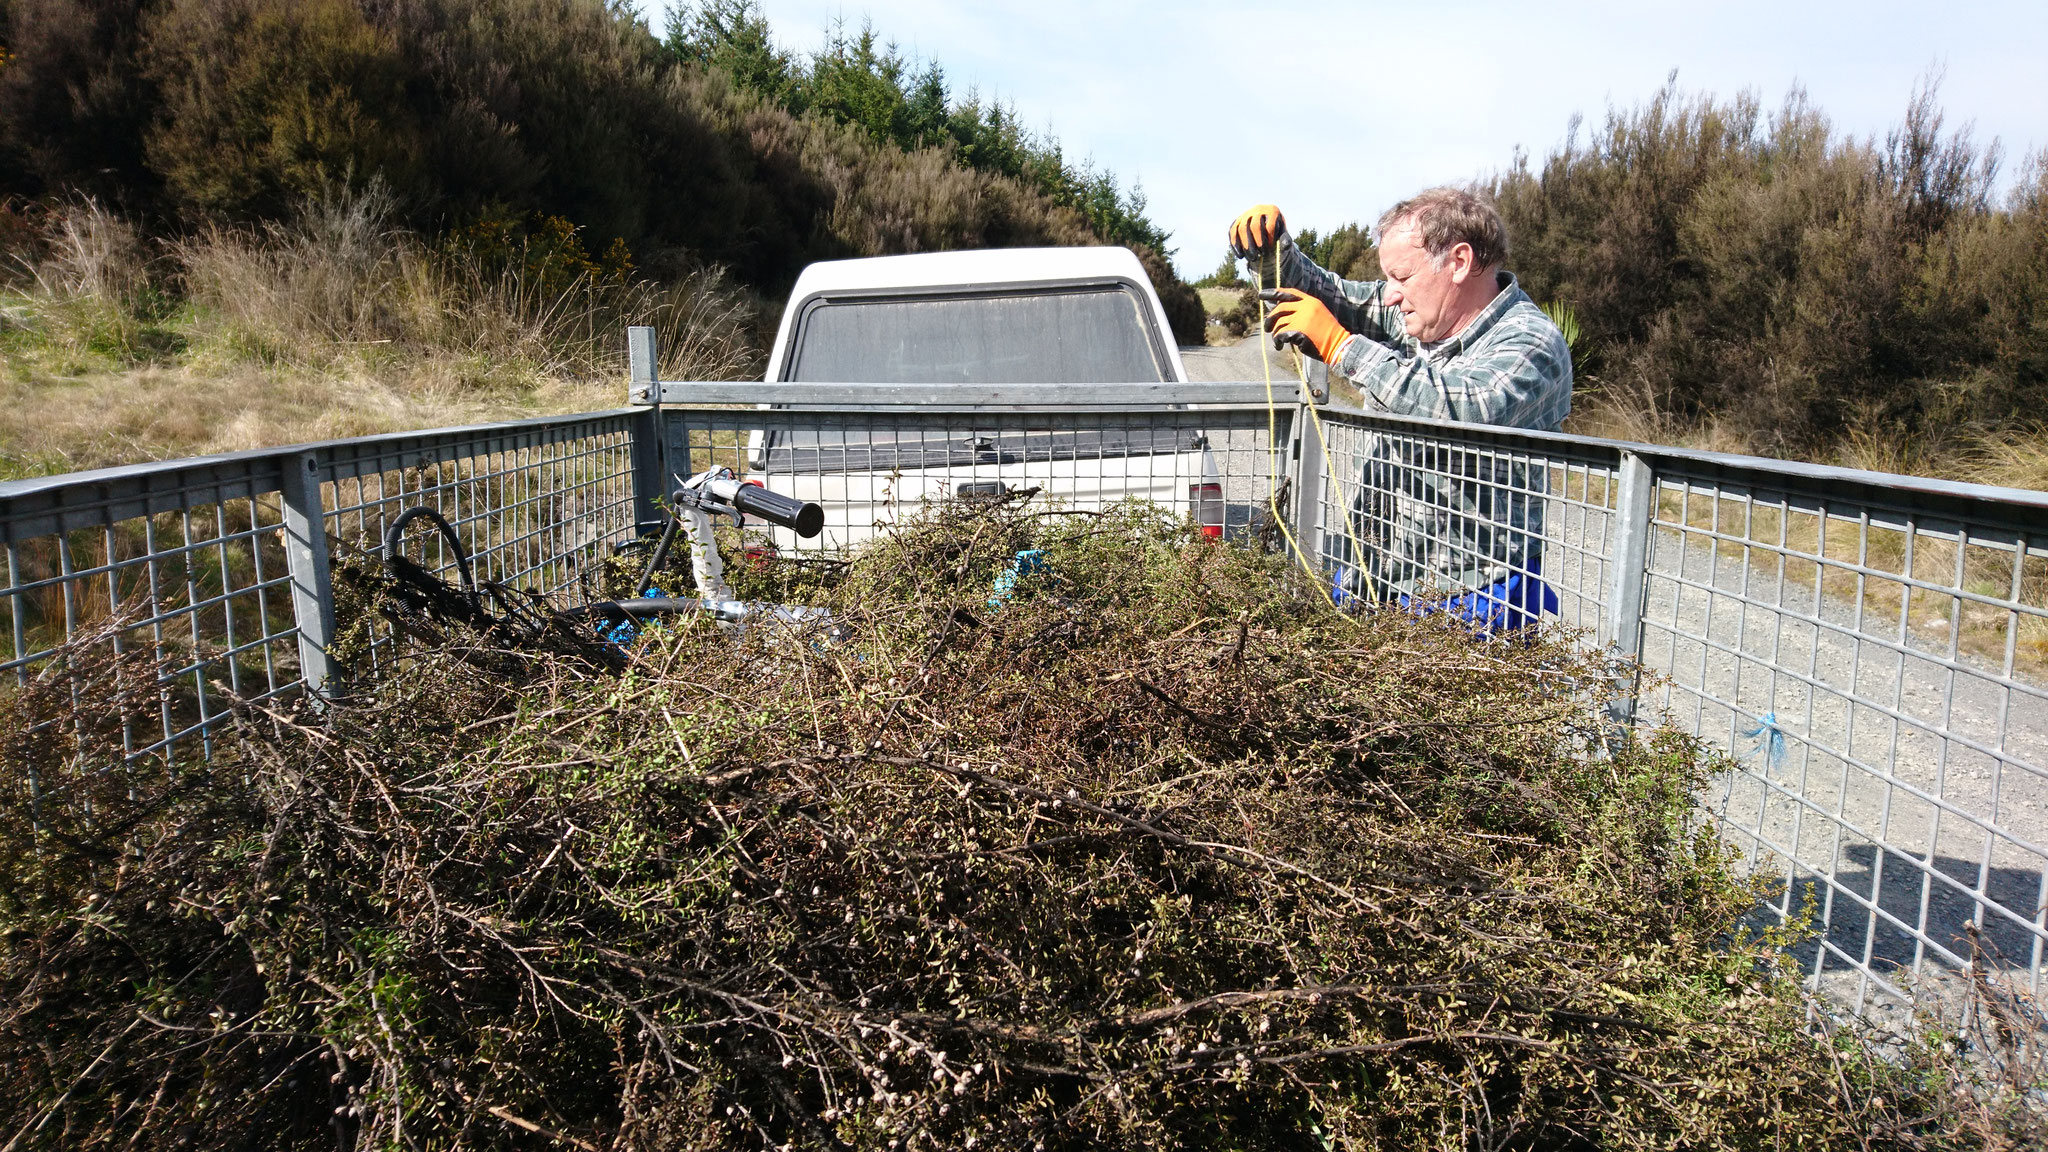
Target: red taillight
1208,504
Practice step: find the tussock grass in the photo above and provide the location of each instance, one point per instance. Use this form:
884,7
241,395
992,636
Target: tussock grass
337,323
1159,853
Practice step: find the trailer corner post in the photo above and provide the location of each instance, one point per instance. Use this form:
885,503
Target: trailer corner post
1621,625
642,388
1306,468
650,476
305,549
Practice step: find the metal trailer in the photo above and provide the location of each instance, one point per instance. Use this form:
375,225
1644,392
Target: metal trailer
1868,649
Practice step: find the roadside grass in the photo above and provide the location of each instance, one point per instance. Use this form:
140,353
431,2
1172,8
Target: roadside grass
1219,302
113,350
109,415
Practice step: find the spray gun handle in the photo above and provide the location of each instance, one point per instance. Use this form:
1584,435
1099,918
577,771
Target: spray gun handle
701,498
721,491
800,516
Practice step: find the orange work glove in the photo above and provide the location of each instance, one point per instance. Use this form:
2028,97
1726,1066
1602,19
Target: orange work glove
1304,321
1259,227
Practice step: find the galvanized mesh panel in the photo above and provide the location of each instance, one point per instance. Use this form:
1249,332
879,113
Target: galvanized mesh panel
1871,656
1489,507
531,503
869,468
1875,672
189,565
536,504
180,569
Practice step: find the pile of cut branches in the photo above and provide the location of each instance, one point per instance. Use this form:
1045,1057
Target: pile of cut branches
1150,850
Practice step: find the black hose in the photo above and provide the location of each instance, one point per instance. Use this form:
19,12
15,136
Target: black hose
637,608
654,563
394,541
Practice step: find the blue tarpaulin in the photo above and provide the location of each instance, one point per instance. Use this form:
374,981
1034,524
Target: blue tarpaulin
1503,607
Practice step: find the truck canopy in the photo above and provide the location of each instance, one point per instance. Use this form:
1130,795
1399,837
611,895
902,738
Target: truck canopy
999,316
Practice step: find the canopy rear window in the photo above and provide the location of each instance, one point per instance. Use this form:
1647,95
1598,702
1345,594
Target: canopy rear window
1094,334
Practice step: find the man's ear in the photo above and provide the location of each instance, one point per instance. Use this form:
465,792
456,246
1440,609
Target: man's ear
1459,260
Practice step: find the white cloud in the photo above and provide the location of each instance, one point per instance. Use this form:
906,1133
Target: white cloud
1334,110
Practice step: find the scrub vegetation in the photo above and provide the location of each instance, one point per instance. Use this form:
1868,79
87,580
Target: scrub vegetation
321,217
1158,852
1755,281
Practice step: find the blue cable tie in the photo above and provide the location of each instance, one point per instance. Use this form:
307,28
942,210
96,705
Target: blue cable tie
1770,741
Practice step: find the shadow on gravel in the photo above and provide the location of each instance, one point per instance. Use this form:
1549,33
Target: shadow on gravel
1899,885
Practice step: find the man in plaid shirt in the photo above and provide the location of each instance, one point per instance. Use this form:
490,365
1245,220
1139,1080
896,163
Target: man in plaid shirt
1447,335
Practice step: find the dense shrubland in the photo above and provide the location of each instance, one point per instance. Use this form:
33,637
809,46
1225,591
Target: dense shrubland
1161,852
1761,282
238,110
523,177
1761,270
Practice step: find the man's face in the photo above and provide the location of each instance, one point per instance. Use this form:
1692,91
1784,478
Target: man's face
1424,292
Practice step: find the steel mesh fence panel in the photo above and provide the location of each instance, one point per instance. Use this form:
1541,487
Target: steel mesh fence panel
1868,652
178,571
1406,512
870,468
528,502
197,570
536,504
1874,670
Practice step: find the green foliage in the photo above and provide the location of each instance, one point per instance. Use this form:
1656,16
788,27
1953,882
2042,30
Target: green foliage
546,250
1567,322
733,37
74,102
1225,275
1347,251
1160,853
267,101
716,147
1793,285
858,79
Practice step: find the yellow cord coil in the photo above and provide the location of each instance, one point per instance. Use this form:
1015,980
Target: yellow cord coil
1273,437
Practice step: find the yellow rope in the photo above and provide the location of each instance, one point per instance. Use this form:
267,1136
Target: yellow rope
1372,594
1273,429
1322,441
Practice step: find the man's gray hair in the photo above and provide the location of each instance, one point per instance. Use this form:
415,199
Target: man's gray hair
1447,217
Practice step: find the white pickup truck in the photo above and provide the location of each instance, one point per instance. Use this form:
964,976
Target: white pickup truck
1018,316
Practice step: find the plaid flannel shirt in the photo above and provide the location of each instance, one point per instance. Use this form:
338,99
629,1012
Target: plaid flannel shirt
1432,519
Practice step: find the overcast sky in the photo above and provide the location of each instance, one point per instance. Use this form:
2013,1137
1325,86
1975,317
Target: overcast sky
1334,110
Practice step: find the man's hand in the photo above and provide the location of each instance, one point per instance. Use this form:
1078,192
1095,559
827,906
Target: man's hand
1259,227
1303,320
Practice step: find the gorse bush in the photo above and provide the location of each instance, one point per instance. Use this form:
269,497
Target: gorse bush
234,112
1766,273
1159,853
